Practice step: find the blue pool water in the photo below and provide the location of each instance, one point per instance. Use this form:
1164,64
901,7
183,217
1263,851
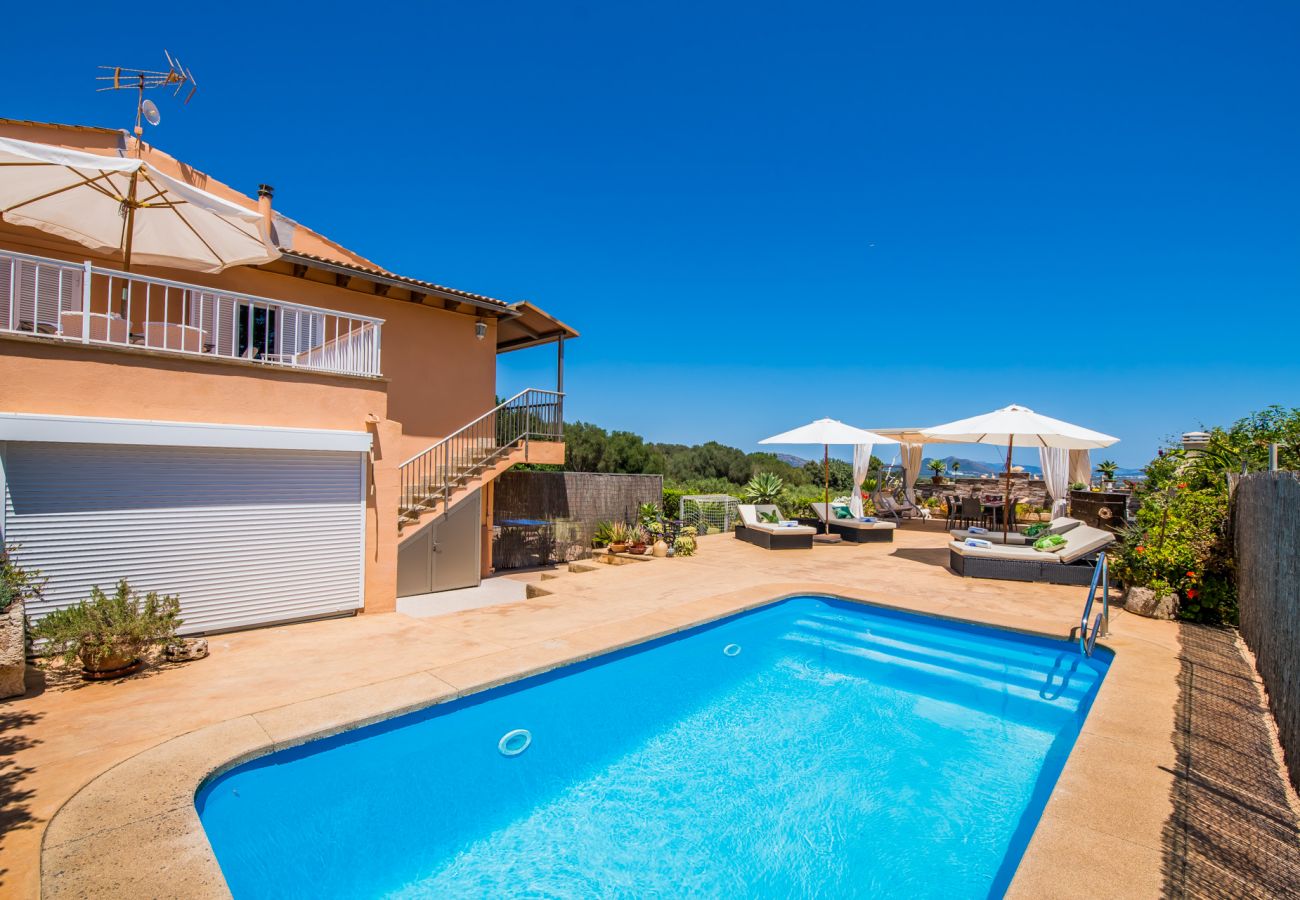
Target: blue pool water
843,751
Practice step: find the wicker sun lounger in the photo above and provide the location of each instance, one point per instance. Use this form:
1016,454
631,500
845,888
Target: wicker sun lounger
855,531
768,535
1073,564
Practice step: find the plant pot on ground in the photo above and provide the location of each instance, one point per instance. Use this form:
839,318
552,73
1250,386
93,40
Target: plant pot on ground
620,535
109,634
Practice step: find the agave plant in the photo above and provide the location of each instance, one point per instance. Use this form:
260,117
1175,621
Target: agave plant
764,487
620,533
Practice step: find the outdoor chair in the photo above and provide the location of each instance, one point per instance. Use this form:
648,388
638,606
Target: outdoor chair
972,513
784,534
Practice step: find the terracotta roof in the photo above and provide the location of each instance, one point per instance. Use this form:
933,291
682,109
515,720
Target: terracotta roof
91,128
391,276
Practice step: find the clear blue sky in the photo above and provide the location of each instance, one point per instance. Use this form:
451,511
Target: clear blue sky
889,213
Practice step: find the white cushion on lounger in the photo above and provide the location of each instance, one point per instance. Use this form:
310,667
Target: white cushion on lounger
783,529
1014,538
749,515
1081,541
1062,524
1008,551
819,509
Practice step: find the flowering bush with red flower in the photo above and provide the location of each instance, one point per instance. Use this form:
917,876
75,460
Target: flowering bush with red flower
1180,543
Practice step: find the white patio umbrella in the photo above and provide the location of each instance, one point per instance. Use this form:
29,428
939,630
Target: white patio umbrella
125,206
1017,423
827,432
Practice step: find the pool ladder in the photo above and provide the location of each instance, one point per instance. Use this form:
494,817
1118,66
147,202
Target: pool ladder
1101,624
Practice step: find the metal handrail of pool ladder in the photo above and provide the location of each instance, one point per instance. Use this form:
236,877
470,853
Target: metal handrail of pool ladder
1088,638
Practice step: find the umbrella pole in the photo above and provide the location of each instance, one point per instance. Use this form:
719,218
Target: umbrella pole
128,232
826,496
1006,498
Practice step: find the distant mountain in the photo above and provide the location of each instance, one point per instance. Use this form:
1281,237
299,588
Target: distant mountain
791,460
975,466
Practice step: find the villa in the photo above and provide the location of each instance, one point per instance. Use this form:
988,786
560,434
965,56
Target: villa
310,436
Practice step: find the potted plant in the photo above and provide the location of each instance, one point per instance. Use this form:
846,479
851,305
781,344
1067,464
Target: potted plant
619,537
637,540
1107,470
600,534
110,633
936,466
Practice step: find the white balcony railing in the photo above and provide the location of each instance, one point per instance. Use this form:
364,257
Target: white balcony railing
85,304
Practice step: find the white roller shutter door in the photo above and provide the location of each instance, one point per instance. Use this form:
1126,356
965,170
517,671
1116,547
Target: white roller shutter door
244,536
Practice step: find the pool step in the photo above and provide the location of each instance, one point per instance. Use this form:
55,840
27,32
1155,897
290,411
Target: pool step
1064,678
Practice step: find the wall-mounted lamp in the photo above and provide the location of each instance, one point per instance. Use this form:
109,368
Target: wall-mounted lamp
480,329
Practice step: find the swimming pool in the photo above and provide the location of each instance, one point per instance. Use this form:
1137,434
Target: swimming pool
810,747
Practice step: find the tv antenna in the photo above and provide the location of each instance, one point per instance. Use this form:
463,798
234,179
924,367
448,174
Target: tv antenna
125,78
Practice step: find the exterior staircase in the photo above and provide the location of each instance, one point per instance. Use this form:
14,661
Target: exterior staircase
440,476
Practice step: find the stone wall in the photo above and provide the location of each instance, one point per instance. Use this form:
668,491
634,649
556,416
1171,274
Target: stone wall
570,504
1266,531
13,657
1030,489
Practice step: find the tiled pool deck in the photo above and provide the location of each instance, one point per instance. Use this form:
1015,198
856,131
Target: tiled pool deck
96,790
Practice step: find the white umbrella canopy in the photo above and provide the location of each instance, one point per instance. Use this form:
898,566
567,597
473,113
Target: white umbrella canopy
827,432
1013,425
118,205
1020,425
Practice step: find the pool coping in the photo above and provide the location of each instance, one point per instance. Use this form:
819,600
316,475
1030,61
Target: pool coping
135,831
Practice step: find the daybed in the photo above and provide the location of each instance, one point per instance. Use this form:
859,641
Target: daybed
772,535
853,530
1073,564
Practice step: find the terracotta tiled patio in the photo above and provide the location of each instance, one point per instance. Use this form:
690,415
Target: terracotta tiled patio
1115,813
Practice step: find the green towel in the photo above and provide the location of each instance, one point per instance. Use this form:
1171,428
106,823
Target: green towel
770,518
1036,530
842,512
1050,543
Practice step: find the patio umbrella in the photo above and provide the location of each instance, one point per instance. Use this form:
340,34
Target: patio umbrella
117,205
1017,423
827,432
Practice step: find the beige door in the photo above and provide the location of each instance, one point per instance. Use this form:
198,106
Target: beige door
444,554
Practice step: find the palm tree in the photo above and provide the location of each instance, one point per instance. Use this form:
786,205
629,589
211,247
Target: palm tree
937,466
764,487
1107,469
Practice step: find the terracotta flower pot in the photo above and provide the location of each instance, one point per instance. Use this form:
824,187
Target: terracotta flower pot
618,548
638,549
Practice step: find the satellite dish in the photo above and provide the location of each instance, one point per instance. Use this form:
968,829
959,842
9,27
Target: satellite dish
150,111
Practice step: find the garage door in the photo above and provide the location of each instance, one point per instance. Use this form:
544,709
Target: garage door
244,536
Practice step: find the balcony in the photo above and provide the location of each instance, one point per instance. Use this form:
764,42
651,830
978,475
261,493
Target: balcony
82,303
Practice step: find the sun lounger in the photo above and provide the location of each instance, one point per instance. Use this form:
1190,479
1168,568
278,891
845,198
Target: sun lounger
1059,525
889,508
772,535
1073,564
855,531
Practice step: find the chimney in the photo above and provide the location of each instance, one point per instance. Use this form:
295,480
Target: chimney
264,194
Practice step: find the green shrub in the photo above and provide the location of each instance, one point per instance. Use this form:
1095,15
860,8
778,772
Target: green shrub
122,624
16,582
600,534
673,501
684,545
1181,545
764,487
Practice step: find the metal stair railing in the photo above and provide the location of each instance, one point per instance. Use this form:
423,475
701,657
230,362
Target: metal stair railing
1087,635
434,474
